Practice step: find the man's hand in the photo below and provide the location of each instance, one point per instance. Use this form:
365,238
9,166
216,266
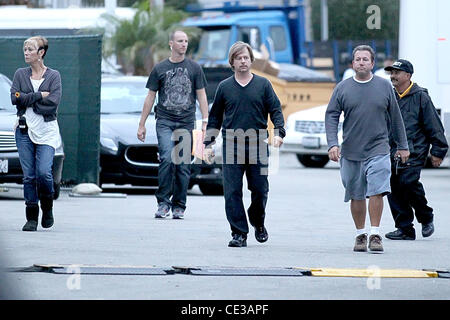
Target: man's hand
141,133
208,155
334,153
44,94
403,154
435,161
277,141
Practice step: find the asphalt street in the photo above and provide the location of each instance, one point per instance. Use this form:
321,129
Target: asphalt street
309,227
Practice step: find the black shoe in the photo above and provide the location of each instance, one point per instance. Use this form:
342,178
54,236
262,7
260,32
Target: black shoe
400,234
31,225
261,234
238,240
427,229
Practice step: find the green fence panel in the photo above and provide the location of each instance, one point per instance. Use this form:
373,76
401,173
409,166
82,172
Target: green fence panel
78,59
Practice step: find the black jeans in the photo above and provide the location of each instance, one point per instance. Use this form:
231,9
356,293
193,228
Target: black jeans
407,194
173,172
258,185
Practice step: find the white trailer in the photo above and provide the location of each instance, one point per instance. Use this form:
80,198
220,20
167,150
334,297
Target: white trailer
424,40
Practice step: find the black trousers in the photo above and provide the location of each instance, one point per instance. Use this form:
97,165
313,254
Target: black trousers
256,173
407,198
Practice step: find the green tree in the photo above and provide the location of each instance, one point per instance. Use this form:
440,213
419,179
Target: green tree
143,41
347,19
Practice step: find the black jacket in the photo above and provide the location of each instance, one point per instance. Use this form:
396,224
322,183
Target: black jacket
423,127
23,96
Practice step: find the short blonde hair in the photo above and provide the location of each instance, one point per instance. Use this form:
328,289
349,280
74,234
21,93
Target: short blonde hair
39,42
236,48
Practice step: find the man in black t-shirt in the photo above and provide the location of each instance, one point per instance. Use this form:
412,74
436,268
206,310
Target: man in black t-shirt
179,82
241,107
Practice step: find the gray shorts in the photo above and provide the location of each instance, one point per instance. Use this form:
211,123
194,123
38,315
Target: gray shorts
362,179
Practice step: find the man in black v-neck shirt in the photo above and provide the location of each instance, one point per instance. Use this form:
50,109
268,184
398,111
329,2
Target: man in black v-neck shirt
241,107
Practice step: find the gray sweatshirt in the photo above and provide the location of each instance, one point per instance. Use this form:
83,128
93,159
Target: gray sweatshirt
23,95
370,112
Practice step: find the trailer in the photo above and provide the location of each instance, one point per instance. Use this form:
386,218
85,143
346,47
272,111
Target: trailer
424,39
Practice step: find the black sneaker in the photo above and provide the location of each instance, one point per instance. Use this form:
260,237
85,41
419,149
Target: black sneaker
261,234
31,225
427,229
238,241
400,234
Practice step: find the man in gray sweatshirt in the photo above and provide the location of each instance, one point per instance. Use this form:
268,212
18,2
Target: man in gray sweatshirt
370,112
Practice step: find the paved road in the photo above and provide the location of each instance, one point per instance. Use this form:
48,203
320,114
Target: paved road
309,227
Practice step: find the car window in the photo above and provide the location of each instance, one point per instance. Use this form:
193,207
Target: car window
120,97
5,96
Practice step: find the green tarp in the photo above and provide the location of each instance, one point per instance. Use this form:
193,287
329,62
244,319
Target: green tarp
78,59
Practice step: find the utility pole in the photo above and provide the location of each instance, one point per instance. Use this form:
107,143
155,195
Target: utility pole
156,4
111,6
324,19
308,23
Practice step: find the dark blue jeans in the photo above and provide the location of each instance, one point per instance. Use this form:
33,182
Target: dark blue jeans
36,161
258,185
175,162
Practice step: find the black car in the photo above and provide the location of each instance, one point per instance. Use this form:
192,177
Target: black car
126,160
10,169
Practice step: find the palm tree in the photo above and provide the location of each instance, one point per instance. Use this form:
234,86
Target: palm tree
143,41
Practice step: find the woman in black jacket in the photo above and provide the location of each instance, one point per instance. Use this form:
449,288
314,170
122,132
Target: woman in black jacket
36,93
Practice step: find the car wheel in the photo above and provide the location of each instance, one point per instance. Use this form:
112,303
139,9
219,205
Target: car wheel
211,189
57,189
313,161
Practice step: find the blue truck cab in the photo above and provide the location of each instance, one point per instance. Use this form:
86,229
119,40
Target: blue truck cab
279,28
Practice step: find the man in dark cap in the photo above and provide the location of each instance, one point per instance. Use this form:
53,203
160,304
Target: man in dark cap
423,127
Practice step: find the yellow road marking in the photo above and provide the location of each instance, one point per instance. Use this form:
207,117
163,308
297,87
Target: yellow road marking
371,272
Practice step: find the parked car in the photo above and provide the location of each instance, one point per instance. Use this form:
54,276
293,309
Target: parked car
10,169
126,160
306,137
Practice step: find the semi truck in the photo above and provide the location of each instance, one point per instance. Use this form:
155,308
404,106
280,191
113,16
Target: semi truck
280,30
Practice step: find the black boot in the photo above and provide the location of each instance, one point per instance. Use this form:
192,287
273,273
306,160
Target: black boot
32,214
47,212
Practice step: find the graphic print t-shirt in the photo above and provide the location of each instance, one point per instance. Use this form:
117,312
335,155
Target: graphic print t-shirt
176,84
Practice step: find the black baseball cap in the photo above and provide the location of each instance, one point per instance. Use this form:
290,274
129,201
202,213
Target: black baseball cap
402,65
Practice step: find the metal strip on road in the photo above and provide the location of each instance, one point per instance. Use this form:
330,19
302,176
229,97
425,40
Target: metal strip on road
233,271
242,271
99,269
